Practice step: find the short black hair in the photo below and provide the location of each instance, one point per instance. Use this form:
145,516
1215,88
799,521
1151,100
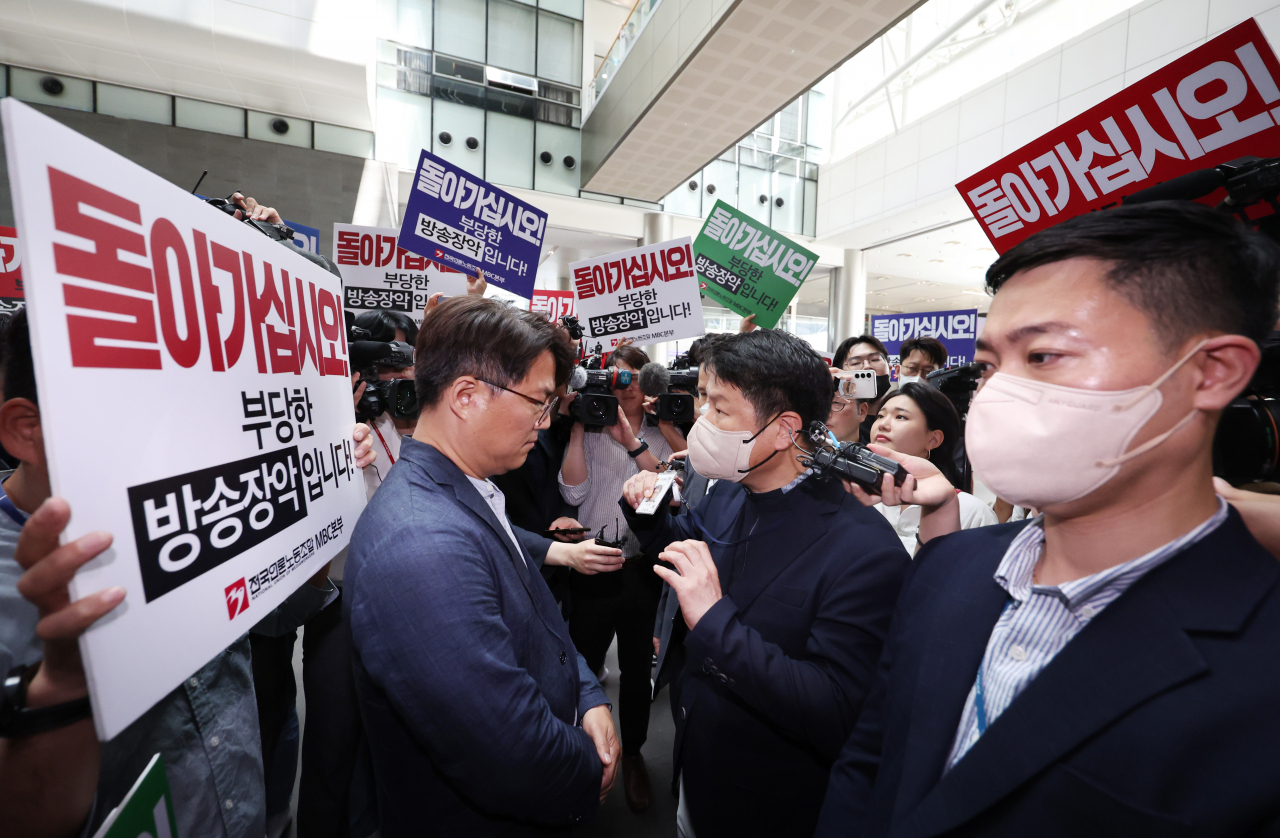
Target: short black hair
701,348
631,355
487,339
776,372
929,346
15,359
939,415
382,325
842,352
1189,267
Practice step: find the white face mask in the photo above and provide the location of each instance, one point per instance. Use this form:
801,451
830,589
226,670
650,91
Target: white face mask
702,411
723,455
910,379
1037,444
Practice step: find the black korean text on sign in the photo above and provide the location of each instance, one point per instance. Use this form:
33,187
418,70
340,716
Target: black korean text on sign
187,525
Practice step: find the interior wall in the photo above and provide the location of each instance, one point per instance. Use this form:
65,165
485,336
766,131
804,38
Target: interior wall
309,187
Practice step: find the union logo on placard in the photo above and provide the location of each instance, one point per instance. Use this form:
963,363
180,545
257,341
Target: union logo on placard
237,598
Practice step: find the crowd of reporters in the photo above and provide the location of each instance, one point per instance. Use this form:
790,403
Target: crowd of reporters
834,648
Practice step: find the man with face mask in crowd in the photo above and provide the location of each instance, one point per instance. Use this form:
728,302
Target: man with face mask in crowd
785,585
919,357
1111,667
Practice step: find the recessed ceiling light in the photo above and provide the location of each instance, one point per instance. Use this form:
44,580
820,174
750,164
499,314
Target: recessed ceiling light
953,242
935,261
987,250
904,255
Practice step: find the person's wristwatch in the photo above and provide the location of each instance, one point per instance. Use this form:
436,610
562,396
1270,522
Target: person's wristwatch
16,719
644,446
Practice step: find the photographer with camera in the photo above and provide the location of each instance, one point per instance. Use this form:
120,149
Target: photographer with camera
865,352
398,334
596,464
785,586
1113,665
919,421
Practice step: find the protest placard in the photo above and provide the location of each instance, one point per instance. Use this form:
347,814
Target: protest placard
304,237
1215,104
747,267
467,223
647,294
146,810
195,402
11,292
379,275
957,330
554,304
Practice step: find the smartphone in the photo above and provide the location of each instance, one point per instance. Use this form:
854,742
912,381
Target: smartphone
858,384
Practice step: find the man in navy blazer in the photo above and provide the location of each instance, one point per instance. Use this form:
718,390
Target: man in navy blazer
482,718
785,585
1111,667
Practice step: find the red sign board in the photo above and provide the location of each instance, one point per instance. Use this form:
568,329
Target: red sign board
10,267
1217,103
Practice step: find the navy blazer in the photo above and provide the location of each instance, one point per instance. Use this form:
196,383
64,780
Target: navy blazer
777,669
1160,718
470,689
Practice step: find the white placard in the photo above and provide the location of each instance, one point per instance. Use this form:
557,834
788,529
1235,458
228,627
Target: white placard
378,275
647,294
195,402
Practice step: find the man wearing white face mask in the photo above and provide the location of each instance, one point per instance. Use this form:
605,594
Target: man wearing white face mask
785,585
1111,667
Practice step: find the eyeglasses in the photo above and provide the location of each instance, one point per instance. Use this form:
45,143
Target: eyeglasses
857,362
838,404
546,407
917,369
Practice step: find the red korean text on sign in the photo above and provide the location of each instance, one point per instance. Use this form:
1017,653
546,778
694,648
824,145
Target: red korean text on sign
1217,103
113,298
378,251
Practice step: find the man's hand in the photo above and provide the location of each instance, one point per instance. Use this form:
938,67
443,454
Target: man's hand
598,724
567,524
1261,513
48,570
476,284
638,487
432,302
589,558
364,453
657,645
622,433
697,583
358,386
748,324
254,211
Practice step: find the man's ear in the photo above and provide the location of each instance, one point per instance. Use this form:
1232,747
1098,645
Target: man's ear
1228,364
789,426
20,432
463,396
864,408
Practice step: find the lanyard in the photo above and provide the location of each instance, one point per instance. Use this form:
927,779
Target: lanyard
7,507
979,694
390,456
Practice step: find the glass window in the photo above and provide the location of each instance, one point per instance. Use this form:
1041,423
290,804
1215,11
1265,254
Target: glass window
512,36
559,49
789,123
569,8
413,23
460,26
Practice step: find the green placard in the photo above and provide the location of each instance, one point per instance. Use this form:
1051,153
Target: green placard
146,810
747,267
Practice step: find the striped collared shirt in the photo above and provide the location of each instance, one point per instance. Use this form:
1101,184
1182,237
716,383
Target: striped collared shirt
1041,619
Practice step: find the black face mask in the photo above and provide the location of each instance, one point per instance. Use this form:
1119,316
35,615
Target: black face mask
882,385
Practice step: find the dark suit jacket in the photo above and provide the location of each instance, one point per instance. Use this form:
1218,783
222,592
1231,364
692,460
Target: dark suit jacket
470,689
1158,719
666,624
777,669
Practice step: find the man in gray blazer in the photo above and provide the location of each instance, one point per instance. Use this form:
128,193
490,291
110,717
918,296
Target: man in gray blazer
482,718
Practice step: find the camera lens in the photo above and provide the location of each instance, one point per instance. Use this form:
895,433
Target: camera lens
597,409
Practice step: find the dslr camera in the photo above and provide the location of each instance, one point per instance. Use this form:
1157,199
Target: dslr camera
850,461
657,380
595,405
397,396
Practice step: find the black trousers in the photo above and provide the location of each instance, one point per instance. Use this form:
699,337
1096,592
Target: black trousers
624,602
332,735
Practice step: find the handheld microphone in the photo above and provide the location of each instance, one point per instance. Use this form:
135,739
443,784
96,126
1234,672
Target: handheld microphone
654,379
577,379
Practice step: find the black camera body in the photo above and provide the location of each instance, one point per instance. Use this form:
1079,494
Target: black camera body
595,405
850,461
958,384
397,396
572,326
